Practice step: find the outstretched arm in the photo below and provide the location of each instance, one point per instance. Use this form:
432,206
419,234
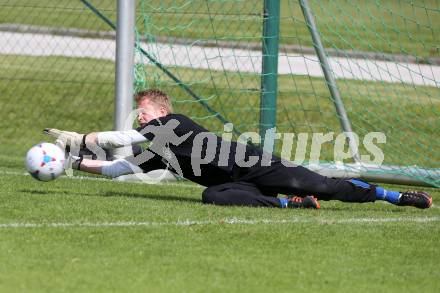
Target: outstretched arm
111,169
115,139
106,139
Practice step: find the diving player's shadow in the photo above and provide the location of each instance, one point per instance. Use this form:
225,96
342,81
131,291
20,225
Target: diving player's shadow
54,192
151,196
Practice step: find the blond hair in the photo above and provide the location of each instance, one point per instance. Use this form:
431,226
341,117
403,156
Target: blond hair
157,97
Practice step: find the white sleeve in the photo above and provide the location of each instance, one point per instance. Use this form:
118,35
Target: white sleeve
116,139
119,167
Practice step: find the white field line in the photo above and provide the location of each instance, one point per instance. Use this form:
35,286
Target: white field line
228,221
221,59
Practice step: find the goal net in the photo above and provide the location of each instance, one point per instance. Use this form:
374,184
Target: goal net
384,56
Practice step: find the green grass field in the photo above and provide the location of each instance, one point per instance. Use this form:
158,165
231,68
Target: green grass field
94,235
403,27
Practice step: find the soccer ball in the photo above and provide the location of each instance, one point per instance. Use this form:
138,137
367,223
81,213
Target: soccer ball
45,161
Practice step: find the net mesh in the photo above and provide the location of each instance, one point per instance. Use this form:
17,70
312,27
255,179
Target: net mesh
57,70
384,55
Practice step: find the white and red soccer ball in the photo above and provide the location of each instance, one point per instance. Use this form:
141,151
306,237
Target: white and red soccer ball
45,161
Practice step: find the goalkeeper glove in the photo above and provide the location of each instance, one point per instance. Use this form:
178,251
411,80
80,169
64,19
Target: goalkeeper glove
66,138
72,163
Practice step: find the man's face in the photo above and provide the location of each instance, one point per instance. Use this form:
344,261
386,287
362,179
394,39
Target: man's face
149,111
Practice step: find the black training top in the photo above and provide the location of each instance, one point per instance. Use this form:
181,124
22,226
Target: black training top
202,156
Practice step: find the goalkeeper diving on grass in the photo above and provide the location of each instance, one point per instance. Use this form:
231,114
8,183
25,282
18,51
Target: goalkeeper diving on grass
234,173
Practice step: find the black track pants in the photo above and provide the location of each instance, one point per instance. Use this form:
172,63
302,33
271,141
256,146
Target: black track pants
238,194
259,186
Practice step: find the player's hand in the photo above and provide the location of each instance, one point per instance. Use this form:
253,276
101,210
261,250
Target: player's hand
65,138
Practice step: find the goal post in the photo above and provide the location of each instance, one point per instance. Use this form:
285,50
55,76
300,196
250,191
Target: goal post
125,42
329,78
269,68
124,74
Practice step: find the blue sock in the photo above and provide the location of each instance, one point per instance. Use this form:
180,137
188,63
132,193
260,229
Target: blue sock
283,202
381,193
388,195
